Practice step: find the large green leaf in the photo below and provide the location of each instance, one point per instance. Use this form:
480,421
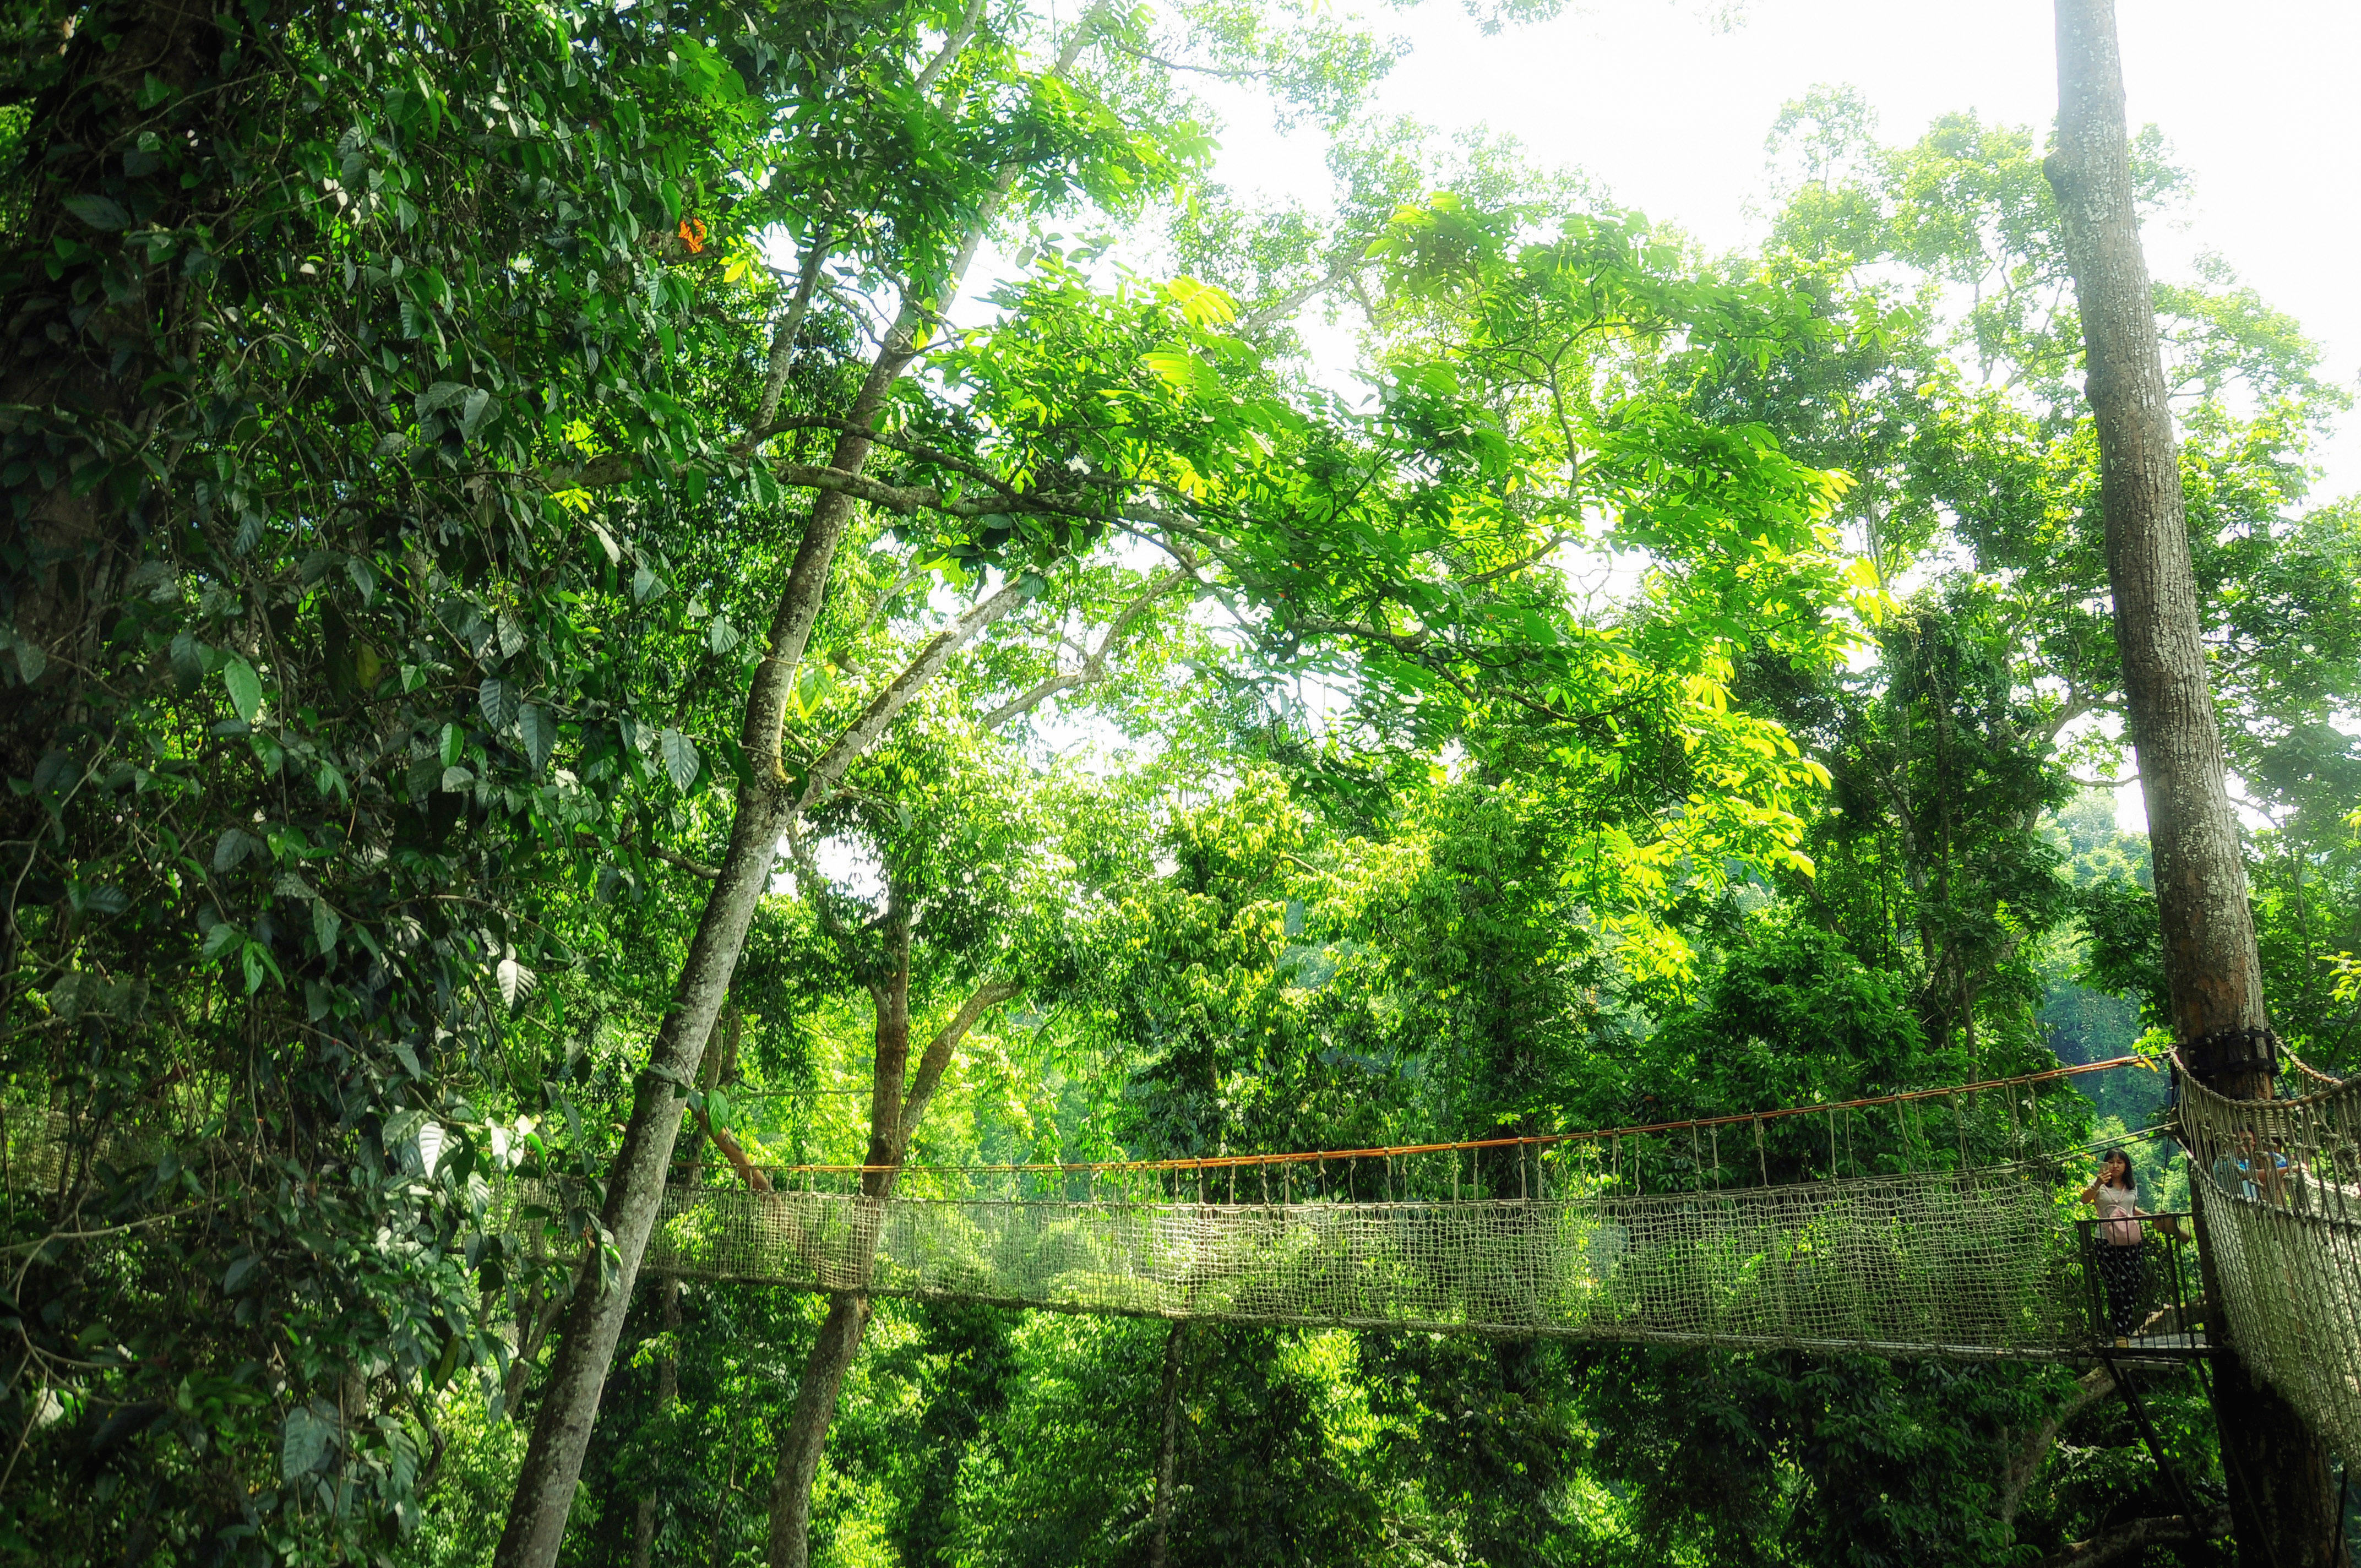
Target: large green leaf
244,686
680,758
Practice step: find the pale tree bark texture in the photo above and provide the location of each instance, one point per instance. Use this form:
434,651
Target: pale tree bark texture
718,1065
2280,1491
767,802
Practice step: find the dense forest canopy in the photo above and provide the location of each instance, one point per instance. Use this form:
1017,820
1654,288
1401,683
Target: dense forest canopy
564,558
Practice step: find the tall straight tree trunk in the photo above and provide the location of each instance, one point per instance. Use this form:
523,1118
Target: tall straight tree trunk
2280,1494
718,1065
807,1434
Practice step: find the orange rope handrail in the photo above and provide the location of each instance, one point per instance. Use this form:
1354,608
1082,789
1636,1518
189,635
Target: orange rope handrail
1233,1162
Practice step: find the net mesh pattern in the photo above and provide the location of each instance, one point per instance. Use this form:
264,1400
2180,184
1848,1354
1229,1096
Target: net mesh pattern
2280,1193
1968,1265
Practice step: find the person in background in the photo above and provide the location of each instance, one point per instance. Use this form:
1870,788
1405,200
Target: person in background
2118,1248
2251,1172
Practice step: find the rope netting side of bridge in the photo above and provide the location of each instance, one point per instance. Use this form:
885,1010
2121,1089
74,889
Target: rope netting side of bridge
2281,1201
1922,1223
1974,1266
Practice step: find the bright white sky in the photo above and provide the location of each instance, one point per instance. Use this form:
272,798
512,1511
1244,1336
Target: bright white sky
2257,100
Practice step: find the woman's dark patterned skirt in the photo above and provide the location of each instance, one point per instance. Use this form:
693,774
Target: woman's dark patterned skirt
2124,1271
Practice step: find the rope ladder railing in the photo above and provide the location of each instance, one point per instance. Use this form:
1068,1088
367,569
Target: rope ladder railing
2280,1199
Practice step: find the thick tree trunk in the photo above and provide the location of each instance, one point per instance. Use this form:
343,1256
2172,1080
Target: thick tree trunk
807,1434
83,364
719,1061
2279,1491
2200,879
594,1320
1168,1452
817,1392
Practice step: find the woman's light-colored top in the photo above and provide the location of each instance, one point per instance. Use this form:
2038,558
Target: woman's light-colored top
2118,1209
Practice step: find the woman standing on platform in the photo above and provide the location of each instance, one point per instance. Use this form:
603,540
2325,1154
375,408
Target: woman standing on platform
2117,1244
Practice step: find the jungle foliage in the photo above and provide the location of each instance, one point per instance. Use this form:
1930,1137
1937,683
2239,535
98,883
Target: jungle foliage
434,430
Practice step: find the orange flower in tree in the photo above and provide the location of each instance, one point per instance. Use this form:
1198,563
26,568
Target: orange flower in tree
692,234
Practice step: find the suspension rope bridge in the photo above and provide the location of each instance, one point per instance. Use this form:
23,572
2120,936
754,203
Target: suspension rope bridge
1921,1223
2281,1185
1926,1223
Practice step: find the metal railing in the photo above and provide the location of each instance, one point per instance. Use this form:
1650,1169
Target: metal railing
2148,1299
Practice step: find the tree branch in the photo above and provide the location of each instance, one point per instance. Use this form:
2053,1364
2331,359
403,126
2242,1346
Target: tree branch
1092,666
952,48
1271,312
783,338
748,1172
694,868
864,731
2136,1537
938,1058
2025,1463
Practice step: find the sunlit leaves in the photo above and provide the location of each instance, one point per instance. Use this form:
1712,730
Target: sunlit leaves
515,982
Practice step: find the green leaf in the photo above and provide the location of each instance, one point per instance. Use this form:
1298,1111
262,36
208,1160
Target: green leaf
102,212
440,396
497,698
325,924
30,660
516,981
232,847
304,1441
245,687
680,758
539,727
1178,369
472,410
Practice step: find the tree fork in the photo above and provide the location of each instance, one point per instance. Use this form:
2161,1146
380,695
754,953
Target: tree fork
895,1116
2280,1492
